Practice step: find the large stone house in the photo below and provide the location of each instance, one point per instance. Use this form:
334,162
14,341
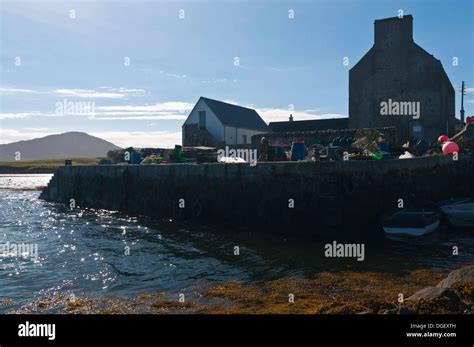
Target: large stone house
397,83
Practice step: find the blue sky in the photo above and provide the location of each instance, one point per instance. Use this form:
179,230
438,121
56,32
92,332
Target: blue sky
143,100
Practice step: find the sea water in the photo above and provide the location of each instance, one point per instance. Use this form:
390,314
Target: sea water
84,252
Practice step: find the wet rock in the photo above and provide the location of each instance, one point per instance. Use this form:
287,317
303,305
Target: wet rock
405,310
436,300
434,293
402,310
391,311
465,274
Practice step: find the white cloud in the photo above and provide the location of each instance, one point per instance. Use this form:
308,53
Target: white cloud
469,90
164,106
161,139
21,115
13,135
88,93
124,90
16,91
173,75
173,110
102,92
35,129
283,114
137,117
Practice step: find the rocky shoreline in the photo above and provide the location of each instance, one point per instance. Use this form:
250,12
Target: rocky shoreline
425,291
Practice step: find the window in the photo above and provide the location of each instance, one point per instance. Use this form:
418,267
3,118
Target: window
244,139
202,119
417,129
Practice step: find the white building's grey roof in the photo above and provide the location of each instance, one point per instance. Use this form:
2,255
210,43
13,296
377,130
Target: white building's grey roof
236,116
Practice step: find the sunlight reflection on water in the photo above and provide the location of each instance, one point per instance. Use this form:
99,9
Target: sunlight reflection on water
83,251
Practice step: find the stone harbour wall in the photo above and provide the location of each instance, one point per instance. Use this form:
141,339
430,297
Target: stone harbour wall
339,198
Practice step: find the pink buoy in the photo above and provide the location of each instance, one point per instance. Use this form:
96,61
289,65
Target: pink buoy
450,147
443,138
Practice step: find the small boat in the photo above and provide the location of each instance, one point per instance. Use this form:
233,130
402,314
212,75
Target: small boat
412,222
458,211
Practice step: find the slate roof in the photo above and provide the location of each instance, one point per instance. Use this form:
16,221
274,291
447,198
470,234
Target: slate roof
236,116
310,125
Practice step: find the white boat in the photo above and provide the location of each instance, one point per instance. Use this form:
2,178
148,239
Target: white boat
459,211
412,222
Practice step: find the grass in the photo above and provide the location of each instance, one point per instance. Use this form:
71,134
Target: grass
41,166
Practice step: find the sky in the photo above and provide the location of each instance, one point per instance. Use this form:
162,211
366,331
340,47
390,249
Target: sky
131,71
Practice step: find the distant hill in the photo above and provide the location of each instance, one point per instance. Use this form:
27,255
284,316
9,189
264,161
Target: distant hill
61,146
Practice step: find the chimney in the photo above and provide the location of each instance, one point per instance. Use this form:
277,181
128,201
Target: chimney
291,118
394,31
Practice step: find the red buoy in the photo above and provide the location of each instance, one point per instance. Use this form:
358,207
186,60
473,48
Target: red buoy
450,147
443,138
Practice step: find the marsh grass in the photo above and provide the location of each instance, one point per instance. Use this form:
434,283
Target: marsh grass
41,166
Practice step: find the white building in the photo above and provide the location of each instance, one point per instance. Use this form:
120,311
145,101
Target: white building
213,123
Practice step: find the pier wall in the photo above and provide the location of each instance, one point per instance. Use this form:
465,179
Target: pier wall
336,197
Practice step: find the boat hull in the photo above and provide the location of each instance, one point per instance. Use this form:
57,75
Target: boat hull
460,215
416,231
411,221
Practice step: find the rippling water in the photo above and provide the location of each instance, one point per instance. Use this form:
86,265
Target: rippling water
83,251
